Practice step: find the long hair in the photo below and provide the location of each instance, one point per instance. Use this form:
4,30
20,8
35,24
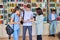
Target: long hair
16,8
39,11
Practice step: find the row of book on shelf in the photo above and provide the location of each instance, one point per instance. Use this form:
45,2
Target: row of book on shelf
29,1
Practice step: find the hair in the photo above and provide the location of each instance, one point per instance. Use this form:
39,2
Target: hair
53,10
12,10
28,6
39,11
16,8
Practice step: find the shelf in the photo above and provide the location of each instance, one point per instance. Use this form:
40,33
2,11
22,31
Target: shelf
52,5
52,0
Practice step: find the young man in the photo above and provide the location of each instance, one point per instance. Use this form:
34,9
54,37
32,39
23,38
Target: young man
27,23
52,20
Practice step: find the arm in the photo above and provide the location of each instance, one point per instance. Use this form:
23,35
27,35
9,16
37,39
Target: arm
12,20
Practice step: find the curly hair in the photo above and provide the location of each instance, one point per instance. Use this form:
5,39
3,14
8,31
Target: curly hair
39,11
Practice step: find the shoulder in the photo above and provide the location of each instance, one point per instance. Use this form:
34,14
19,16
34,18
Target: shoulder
12,15
41,15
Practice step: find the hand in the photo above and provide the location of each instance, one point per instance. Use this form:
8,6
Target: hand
18,22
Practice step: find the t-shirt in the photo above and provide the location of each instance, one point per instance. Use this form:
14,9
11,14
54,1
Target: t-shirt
53,17
16,19
27,16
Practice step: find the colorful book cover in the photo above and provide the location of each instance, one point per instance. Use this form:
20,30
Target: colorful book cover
1,6
12,4
1,16
29,1
1,21
33,9
38,5
12,0
19,0
15,5
34,5
33,0
0,11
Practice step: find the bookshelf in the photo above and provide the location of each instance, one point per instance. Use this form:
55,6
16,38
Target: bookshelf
55,4
1,12
10,4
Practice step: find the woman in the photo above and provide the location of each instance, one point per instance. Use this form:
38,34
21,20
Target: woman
39,23
15,21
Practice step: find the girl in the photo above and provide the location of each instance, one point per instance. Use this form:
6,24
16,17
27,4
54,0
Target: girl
15,21
39,23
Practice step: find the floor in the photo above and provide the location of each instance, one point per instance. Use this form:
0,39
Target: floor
34,38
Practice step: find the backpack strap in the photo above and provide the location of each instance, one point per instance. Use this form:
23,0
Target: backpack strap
23,14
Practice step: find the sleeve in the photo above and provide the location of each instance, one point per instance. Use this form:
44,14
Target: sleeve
12,16
36,20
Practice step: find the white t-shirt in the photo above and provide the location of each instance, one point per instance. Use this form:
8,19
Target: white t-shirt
53,17
27,15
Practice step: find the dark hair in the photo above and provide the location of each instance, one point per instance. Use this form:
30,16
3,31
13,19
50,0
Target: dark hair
28,6
12,10
39,11
53,10
16,8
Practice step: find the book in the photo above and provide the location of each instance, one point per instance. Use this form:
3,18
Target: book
12,0
33,9
1,21
1,6
29,1
0,11
58,5
33,1
44,9
1,16
52,5
34,5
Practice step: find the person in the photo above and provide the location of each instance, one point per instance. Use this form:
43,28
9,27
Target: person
15,21
27,23
39,23
53,22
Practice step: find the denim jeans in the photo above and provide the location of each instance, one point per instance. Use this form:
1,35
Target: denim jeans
16,34
53,27
29,30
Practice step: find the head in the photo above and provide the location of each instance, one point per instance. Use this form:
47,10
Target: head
28,7
12,10
39,11
53,11
17,10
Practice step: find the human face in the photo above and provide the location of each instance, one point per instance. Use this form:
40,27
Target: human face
28,9
18,12
53,12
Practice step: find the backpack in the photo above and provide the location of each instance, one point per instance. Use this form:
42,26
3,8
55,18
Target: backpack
9,29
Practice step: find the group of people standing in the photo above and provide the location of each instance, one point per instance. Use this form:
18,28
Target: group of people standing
28,19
